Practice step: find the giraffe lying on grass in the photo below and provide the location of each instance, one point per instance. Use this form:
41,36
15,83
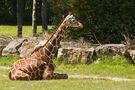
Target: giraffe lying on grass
39,64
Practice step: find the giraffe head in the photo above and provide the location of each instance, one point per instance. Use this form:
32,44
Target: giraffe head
70,21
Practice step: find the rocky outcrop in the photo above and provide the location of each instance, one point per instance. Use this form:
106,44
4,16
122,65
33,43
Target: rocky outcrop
111,49
77,55
4,40
22,47
26,48
74,52
12,47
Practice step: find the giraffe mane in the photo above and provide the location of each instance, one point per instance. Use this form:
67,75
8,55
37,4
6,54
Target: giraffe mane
66,18
56,28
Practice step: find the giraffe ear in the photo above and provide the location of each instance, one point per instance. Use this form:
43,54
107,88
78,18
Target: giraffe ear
69,16
69,13
63,16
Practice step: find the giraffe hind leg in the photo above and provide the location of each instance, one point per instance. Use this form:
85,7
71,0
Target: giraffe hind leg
48,76
60,76
19,76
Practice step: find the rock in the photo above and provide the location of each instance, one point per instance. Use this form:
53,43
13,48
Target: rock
77,55
12,47
111,49
41,43
130,52
1,49
31,45
26,48
4,40
75,44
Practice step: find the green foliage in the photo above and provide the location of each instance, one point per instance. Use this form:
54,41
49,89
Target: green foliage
105,21
7,11
109,60
61,60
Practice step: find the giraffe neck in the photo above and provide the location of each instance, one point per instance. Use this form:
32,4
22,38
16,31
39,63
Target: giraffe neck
52,45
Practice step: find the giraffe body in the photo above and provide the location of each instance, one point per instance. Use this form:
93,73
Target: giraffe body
39,64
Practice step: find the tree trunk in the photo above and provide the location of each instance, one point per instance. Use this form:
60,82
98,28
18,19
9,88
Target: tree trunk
34,25
44,10
20,6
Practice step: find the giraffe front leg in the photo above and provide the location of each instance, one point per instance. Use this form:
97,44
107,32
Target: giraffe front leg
48,72
47,75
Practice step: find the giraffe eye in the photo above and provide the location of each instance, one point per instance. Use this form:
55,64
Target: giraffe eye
72,20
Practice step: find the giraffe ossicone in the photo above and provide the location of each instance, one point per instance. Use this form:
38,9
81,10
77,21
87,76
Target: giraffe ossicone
39,64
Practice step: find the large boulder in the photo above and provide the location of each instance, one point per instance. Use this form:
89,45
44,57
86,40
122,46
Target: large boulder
31,45
4,40
77,55
12,47
26,48
111,49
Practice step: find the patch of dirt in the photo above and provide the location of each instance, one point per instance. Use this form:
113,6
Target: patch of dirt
100,78
4,67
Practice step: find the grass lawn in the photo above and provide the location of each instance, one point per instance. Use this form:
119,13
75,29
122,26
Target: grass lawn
68,84
116,68
12,30
110,70
107,67
98,70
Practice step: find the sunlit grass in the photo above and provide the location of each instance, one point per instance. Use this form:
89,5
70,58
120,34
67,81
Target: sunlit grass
8,60
107,67
98,70
27,30
68,84
103,69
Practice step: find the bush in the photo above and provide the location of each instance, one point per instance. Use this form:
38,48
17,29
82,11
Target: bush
107,20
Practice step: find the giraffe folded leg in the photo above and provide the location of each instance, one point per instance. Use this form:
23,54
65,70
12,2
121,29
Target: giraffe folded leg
19,75
48,72
47,75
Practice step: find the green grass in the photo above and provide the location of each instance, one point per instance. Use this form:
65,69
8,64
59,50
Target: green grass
68,84
110,68
8,60
27,30
98,70
107,67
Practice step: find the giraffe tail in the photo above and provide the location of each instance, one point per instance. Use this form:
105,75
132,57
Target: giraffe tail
9,75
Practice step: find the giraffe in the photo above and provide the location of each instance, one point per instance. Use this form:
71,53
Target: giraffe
39,64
